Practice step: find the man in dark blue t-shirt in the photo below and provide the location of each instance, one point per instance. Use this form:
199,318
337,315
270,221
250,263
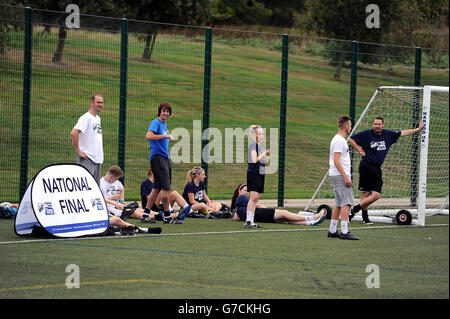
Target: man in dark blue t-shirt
373,145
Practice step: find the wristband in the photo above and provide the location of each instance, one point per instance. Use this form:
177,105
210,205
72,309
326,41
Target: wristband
121,200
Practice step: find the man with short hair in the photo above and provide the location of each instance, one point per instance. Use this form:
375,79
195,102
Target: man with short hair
87,138
373,145
339,160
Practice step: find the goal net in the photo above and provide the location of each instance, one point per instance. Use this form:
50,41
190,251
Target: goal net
415,171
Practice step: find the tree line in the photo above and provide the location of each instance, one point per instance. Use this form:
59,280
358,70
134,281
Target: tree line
402,22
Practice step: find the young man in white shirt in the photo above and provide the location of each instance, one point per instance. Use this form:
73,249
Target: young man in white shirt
87,138
339,160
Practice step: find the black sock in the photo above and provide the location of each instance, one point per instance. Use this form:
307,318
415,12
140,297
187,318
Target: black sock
167,214
146,212
365,214
356,208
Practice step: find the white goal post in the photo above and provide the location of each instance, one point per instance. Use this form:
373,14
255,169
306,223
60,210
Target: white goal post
415,171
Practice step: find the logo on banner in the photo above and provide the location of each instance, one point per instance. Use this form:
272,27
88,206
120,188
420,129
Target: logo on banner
96,202
46,208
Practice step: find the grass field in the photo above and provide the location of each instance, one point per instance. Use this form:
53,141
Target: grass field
218,259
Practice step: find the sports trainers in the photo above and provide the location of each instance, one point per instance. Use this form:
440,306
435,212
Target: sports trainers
173,221
367,222
333,235
250,225
148,219
320,217
184,212
348,236
128,230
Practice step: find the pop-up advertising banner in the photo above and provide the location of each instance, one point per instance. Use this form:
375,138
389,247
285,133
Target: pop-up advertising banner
65,200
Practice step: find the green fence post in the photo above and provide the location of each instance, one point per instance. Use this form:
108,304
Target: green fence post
123,95
353,81
26,100
415,123
283,111
353,84
206,97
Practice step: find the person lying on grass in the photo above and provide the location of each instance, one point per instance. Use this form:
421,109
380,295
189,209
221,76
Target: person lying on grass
270,215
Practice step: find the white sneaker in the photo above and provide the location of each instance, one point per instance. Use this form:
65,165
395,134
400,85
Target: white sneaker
320,217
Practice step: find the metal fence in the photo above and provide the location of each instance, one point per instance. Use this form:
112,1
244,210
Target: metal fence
216,79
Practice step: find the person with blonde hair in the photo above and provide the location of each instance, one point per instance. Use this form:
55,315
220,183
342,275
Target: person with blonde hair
257,160
195,192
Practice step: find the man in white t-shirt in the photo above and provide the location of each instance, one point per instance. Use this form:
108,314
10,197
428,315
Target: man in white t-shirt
339,160
87,138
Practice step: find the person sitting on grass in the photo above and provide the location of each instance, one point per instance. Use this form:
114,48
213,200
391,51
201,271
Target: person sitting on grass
270,215
195,192
156,212
114,194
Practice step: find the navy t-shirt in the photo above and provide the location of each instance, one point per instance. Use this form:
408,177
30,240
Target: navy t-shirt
376,146
241,206
146,189
197,190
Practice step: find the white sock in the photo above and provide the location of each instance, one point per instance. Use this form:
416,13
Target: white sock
333,225
344,227
185,206
249,216
308,218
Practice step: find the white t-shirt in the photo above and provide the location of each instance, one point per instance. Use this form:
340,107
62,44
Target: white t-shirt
91,141
339,145
110,189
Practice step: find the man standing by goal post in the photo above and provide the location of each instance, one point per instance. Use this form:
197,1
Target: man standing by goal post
339,160
373,145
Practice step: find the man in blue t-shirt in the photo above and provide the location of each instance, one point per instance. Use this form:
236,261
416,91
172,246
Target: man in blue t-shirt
373,145
159,138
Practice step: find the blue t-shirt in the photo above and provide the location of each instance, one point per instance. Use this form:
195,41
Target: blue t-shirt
161,146
376,146
241,206
260,166
146,189
197,190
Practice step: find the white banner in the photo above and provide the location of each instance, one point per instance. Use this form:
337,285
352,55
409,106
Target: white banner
65,200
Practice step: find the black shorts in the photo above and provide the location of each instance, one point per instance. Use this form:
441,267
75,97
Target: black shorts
162,172
255,182
370,177
265,215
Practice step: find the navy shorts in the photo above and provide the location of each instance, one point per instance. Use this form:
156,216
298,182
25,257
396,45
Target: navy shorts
255,182
370,177
265,215
162,172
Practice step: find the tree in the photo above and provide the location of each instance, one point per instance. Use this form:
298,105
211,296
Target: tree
346,19
237,12
283,12
169,11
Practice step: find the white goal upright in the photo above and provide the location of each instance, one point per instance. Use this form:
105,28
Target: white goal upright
415,171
